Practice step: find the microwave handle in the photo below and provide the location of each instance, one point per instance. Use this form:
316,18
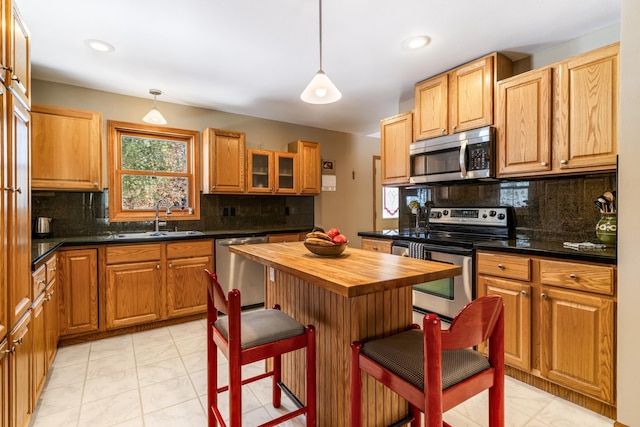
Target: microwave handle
463,158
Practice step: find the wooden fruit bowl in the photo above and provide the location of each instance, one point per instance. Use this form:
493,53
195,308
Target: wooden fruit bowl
327,251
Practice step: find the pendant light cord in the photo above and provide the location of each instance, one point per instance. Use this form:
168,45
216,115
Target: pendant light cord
320,14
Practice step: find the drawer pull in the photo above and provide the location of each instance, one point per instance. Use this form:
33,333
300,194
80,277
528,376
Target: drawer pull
573,276
524,293
543,163
563,162
501,267
375,248
543,295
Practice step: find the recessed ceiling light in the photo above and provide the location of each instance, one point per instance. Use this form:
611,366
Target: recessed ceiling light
416,42
99,45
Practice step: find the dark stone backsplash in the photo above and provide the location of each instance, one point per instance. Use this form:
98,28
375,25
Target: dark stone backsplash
553,208
87,214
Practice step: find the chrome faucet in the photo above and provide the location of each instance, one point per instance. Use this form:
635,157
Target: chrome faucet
168,212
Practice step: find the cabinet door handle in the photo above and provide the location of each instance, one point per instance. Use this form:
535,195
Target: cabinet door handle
563,162
14,190
9,69
170,265
442,131
453,128
18,341
524,293
543,163
543,295
11,351
157,266
501,267
573,276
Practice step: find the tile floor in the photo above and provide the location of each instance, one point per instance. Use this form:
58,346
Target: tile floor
158,378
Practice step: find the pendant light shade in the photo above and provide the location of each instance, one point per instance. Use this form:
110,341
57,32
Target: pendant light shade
154,116
320,90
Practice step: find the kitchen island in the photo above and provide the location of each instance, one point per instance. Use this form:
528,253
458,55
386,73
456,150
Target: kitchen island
354,296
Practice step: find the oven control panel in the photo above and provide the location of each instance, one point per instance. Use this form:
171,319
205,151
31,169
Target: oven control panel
495,216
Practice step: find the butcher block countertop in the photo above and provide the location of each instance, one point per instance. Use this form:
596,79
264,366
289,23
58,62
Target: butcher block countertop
353,273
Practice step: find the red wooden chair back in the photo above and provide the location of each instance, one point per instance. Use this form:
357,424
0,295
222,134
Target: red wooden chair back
217,294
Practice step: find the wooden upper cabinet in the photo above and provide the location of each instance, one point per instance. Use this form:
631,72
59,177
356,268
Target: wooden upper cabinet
460,99
396,134
259,171
4,46
432,107
66,149
586,122
18,71
223,158
560,119
308,166
471,95
523,122
285,173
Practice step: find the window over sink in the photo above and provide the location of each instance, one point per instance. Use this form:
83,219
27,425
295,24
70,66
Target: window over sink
149,164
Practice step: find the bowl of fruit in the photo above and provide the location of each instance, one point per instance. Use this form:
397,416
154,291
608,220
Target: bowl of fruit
329,244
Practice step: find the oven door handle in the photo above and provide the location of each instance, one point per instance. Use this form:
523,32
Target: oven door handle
453,250
463,158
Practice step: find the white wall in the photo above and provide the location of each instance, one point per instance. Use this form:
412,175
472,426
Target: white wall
628,227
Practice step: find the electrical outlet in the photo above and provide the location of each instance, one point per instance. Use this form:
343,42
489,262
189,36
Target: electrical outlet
232,211
225,211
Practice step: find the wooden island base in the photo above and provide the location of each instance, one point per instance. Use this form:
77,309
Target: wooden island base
358,295
339,321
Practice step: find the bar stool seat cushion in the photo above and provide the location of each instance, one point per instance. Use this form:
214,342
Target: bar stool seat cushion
402,354
262,327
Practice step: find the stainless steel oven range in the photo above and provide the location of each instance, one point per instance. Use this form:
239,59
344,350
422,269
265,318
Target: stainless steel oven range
452,233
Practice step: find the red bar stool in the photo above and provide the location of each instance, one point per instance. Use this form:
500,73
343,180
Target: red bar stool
249,337
451,372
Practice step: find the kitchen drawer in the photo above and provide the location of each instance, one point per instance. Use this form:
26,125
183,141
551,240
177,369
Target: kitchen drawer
282,238
573,275
190,248
52,268
39,281
377,245
511,267
133,253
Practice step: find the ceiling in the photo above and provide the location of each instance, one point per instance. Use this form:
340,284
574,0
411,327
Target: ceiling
254,57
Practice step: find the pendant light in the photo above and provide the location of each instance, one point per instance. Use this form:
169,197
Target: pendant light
154,116
320,90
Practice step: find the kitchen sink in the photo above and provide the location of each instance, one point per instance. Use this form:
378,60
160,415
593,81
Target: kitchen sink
156,234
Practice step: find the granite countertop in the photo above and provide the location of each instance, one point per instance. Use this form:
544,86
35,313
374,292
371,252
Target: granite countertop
42,248
521,244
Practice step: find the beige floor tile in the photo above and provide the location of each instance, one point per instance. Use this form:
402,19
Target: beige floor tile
166,393
110,410
185,414
159,371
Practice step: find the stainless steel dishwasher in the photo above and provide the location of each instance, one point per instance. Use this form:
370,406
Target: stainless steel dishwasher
237,272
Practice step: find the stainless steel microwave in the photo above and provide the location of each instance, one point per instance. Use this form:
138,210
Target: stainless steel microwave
464,155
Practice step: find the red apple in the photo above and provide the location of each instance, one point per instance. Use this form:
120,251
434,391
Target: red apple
333,232
340,239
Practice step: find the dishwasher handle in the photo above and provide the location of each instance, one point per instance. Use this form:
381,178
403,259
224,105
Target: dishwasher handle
242,240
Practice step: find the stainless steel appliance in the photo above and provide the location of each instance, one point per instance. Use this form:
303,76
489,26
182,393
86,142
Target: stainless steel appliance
237,272
464,155
42,227
452,233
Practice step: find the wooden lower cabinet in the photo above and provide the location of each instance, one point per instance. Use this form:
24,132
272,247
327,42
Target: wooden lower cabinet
577,342
52,323
288,237
517,315
134,285
20,343
559,323
78,276
377,245
133,293
186,282
39,353
4,382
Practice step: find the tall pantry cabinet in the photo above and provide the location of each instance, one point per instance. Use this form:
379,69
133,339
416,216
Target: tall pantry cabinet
15,221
